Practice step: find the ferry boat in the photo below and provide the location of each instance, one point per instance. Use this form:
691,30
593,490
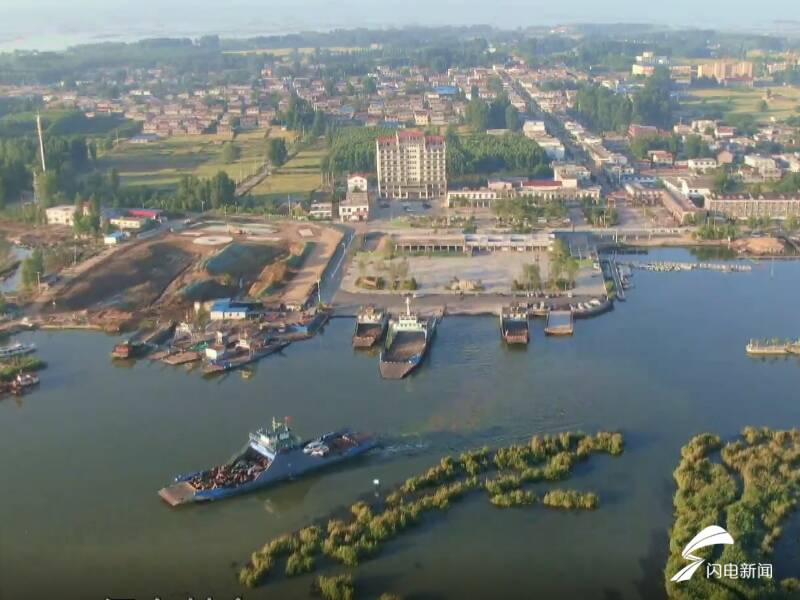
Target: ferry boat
514,324
371,324
272,454
18,349
409,338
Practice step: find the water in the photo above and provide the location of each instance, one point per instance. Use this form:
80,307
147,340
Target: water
12,283
82,458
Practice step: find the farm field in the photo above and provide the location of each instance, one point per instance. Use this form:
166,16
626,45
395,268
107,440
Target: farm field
164,162
783,103
300,175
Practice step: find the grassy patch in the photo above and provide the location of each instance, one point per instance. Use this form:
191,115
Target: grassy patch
163,163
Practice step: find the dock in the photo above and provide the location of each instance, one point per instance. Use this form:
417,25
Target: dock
667,266
559,322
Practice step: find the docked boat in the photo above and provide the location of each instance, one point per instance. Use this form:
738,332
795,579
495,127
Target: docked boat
514,324
129,349
23,382
540,309
559,322
272,455
407,342
242,355
18,349
371,325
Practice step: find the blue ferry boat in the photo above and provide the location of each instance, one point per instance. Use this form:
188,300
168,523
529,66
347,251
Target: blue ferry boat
271,455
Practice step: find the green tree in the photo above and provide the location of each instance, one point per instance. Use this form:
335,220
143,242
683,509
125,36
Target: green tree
370,85
32,269
276,151
532,276
230,153
512,118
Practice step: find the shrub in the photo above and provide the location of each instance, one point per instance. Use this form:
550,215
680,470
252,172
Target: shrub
513,498
570,499
338,587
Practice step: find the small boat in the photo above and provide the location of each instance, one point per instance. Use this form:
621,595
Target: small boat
409,338
23,382
514,324
18,349
371,325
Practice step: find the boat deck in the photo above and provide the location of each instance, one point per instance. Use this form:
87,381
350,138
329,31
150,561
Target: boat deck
405,345
182,358
367,334
178,493
559,322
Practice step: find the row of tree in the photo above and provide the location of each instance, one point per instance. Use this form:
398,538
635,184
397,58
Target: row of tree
606,110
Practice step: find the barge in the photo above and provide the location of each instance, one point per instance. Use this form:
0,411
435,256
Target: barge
559,322
371,325
407,342
271,455
514,324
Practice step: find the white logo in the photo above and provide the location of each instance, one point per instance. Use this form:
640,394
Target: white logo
710,536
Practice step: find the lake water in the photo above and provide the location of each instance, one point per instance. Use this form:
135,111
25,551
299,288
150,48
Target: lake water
81,459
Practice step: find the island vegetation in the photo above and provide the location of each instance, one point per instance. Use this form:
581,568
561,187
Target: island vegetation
749,486
502,473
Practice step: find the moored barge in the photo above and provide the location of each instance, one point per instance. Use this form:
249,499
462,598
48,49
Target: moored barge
371,325
514,324
410,335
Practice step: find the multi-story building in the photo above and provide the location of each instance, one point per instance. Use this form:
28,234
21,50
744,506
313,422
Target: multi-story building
744,206
411,165
722,70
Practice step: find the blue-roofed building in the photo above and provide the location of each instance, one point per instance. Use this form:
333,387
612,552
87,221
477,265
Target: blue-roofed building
226,309
446,90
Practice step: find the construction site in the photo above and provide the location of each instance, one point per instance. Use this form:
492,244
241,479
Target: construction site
171,270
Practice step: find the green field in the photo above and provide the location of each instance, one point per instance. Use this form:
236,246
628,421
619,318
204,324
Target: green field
164,162
783,103
301,175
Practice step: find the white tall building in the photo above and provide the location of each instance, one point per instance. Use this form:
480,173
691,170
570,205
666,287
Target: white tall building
411,165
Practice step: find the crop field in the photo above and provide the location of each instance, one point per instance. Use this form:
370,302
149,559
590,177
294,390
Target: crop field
164,162
783,103
300,175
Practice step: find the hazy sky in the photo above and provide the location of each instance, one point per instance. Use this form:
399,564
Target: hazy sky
54,24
